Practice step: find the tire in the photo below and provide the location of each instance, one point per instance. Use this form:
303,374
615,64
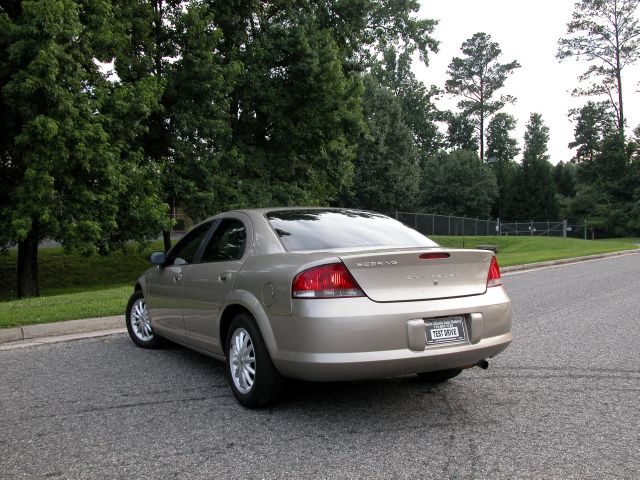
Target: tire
439,376
138,322
246,352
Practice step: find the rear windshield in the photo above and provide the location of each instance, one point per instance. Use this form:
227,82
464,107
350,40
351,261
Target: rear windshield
330,229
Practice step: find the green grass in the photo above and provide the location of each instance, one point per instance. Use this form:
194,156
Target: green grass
635,240
65,273
72,285
75,287
521,250
97,302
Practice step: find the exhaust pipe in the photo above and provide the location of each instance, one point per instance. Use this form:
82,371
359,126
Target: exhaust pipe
483,364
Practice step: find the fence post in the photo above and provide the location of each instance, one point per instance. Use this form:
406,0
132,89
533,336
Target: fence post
499,229
585,229
564,229
476,226
517,228
531,228
433,224
415,221
449,217
463,232
396,214
547,227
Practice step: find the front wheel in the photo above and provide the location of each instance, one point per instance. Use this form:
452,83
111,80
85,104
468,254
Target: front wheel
139,322
253,379
439,376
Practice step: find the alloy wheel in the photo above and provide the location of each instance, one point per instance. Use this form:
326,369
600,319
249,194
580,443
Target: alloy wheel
242,360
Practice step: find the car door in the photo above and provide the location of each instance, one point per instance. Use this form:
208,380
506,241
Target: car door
164,287
208,284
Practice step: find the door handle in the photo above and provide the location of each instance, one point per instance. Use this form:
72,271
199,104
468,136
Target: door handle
177,277
224,276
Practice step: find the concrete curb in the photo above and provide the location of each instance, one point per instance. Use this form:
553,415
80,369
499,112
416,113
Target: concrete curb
116,324
566,261
61,328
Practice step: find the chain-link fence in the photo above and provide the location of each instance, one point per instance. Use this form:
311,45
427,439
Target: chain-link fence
430,224
450,225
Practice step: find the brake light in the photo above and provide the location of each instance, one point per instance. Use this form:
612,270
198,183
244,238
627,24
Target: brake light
325,281
493,279
434,255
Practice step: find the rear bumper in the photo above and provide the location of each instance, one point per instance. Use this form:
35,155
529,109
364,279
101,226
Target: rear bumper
347,339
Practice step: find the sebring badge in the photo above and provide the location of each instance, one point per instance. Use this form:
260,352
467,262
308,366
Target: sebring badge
377,264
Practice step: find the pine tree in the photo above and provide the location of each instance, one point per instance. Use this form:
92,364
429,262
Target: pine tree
533,196
477,77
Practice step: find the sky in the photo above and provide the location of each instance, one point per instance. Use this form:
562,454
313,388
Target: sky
527,31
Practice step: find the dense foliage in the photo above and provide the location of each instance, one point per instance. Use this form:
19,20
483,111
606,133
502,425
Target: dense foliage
533,192
114,114
458,183
70,167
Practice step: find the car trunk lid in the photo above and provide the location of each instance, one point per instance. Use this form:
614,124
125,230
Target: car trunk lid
424,274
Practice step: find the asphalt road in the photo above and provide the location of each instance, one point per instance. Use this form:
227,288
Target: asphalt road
562,402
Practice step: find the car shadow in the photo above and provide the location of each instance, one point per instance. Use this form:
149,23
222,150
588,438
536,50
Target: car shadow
403,396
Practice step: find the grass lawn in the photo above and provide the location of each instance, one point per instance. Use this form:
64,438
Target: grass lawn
520,250
99,302
74,286
635,240
65,273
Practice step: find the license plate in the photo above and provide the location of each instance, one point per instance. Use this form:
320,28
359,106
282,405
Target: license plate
445,330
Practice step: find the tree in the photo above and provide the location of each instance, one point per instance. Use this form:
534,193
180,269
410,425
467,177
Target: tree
387,174
564,177
188,138
593,123
533,196
68,171
458,183
419,112
502,148
477,77
606,34
461,132
295,112
607,193
363,29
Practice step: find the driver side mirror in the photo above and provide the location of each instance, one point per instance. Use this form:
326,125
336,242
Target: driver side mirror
158,258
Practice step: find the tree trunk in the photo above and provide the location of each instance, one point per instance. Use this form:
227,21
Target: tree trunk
620,107
482,136
28,265
166,237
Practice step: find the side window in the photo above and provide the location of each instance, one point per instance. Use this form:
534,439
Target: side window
187,247
227,242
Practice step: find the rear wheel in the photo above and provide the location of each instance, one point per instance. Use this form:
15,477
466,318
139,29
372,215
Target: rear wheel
139,322
253,379
439,375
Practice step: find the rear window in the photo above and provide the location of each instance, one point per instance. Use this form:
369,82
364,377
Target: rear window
301,230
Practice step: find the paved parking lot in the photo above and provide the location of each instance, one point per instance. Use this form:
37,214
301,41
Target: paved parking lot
561,402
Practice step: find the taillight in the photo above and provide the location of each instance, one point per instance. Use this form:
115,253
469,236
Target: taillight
493,279
325,281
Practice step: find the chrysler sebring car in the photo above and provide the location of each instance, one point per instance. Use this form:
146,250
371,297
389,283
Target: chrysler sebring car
321,295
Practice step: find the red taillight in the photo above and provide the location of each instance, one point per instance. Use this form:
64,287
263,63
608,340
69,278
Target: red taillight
325,281
493,279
